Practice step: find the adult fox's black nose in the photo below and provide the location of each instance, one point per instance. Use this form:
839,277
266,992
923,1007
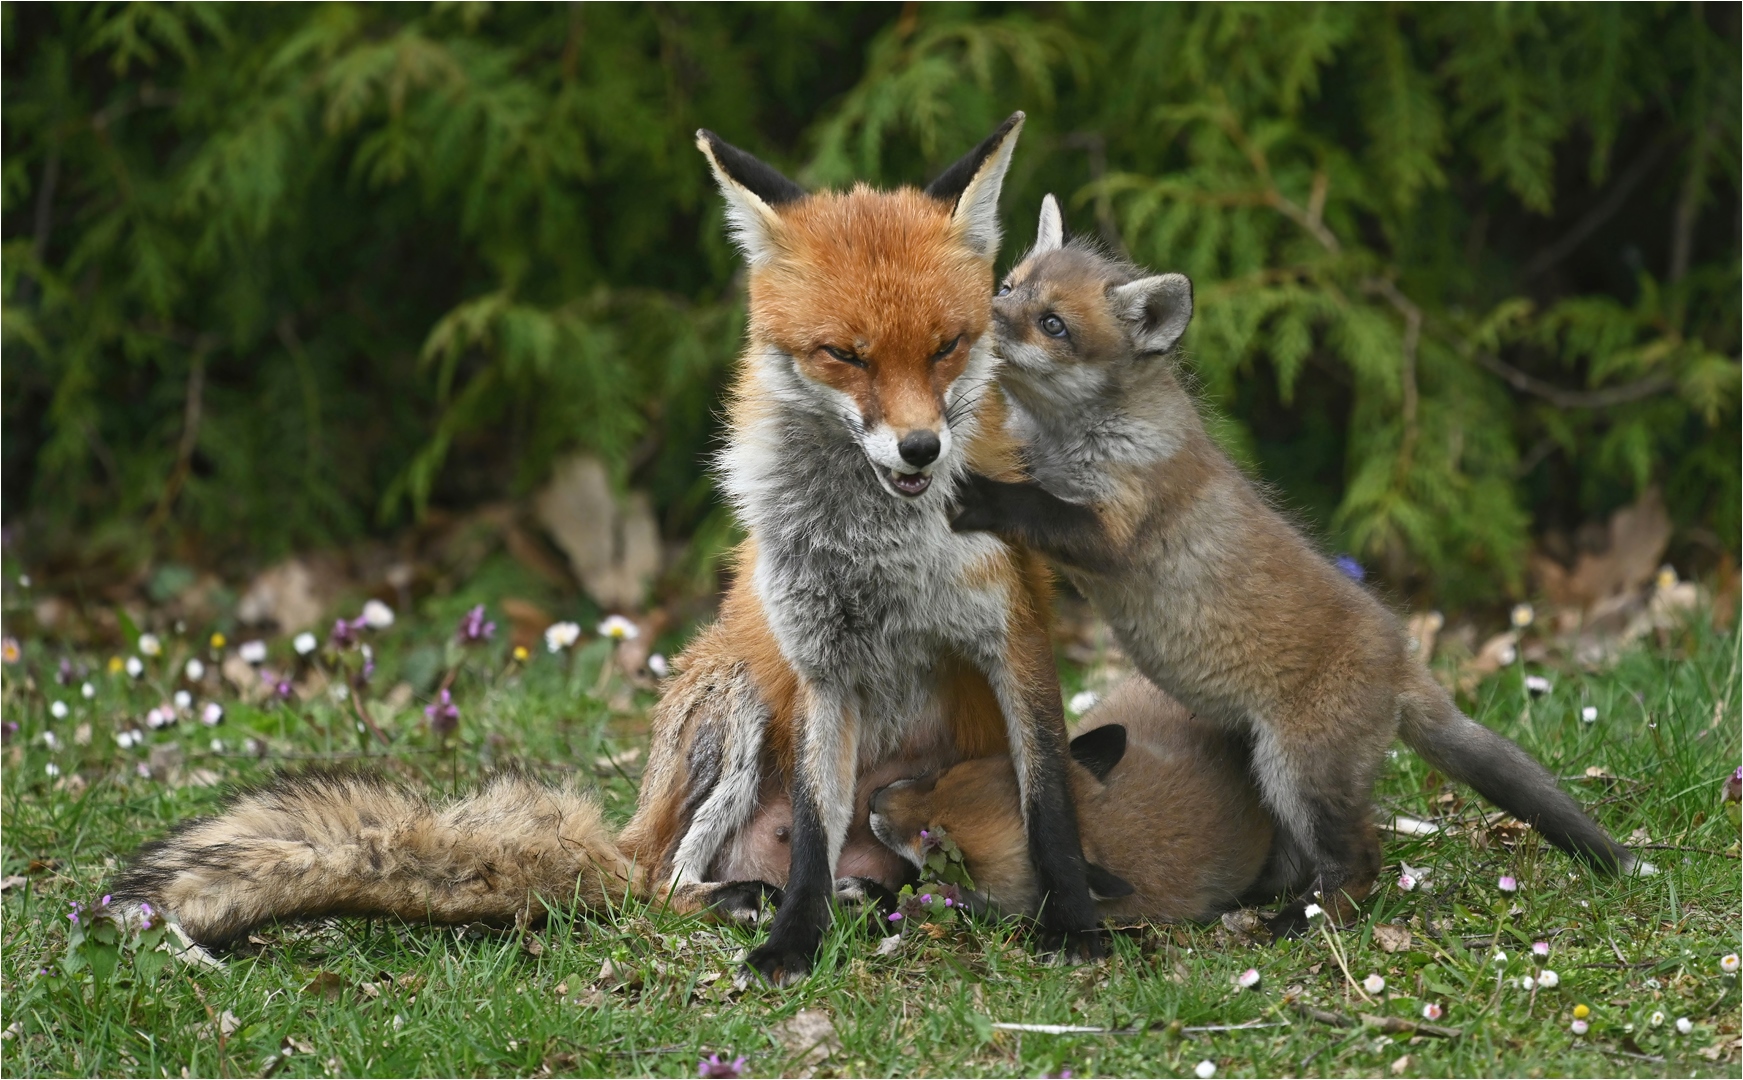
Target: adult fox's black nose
919,448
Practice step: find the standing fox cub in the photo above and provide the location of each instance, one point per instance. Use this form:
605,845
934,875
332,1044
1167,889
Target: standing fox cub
1172,825
1209,590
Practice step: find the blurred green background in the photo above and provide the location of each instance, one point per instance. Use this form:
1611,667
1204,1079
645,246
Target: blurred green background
278,277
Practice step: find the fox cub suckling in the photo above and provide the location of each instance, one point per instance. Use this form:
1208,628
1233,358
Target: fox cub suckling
1172,825
1209,590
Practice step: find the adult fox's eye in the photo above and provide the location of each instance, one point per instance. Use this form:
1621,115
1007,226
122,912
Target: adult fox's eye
844,356
1053,326
1004,290
947,348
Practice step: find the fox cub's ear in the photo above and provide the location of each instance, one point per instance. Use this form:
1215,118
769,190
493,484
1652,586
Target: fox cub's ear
1100,749
1050,235
1156,308
753,189
971,187
1105,884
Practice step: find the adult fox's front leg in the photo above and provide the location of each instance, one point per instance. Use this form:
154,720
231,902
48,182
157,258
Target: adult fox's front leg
827,754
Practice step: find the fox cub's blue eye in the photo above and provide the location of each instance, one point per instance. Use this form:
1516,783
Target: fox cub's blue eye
1004,290
1053,326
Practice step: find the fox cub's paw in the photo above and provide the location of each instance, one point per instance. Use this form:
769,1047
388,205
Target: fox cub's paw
978,504
1073,947
779,961
746,902
864,894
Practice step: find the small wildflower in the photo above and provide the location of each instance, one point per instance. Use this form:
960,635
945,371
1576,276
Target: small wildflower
1728,963
443,714
212,714
7,730
135,667
9,650
1684,1025
712,1067
184,700
473,630
618,628
1548,979
129,738
658,666
520,654
1500,957
1406,882
1313,911
51,740
1247,979
1540,949
194,669
87,691
895,916
253,651
1580,1027
377,615
1582,1011
368,663
1350,567
57,709
281,687
143,770
217,640
1374,983
64,672
1589,714
925,898
1657,1018
149,645
24,581
1432,1011
160,717
304,643
73,915
559,636
1507,655
1537,685
1522,616
1666,578
1205,1070
1527,983
1508,883
52,769
344,634
1082,701
217,746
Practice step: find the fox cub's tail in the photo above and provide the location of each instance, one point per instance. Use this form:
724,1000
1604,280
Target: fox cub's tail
325,843
1505,775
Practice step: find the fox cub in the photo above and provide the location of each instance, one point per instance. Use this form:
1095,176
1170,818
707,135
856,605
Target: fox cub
1210,591
1173,827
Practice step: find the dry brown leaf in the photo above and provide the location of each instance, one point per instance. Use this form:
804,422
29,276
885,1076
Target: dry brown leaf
328,985
1391,937
809,1038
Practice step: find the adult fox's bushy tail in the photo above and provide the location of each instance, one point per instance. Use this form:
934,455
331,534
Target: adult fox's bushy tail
325,843
1433,726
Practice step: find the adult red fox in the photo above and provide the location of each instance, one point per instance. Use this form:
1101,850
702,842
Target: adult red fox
1213,595
1172,823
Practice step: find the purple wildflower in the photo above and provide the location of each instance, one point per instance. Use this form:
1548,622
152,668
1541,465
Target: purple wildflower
344,633
64,675
443,714
1351,568
368,664
473,629
895,916
106,898
7,730
711,1066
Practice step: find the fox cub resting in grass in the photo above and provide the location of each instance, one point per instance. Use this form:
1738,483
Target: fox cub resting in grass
1213,595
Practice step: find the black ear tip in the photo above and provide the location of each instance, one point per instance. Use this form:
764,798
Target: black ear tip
1100,749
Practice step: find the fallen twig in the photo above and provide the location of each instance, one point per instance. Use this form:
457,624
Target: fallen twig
1679,847
1085,1029
1391,1025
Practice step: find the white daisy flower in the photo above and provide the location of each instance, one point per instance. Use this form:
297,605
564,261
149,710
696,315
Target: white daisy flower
149,645
1500,957
1657,1018
618,628
184,700
129,738
195,670
559,636
143,771
1247,979
377,615
1684,1025
1522,616
1537,685
1205,1070
1432,1011
1374,983
1580,1027
1548,979
1527,983
57,709
1406,882
87,691
1313,911
1082,701
658,666
1589,714
304,643
1728,963
217,746
51,740
212,714
252,651
52,769
135,667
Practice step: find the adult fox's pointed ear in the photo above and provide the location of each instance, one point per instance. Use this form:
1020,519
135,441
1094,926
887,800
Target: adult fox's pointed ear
753,190
1156,308
1100,749
971,187
1050,235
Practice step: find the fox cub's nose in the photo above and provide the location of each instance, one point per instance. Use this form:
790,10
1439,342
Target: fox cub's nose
919,448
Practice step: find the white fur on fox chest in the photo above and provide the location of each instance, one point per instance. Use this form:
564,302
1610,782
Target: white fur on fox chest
864,590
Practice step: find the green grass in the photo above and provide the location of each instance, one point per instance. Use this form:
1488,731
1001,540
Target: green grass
435,1001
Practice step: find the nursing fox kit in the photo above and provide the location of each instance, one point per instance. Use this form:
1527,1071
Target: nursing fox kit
1211,593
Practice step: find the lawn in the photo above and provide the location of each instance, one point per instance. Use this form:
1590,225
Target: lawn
1638,961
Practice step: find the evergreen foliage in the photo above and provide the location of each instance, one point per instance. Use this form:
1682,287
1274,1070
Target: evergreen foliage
276,276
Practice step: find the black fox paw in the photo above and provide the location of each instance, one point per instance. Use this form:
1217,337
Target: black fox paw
866,895
746,902
1073,947
976,505
777,964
